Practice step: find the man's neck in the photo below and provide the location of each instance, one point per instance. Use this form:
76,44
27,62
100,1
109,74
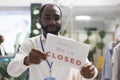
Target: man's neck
45,34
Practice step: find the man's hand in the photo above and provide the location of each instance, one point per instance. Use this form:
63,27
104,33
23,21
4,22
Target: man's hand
88,70
34,57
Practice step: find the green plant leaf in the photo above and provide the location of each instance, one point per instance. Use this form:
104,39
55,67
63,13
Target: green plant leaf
100,45
87,41
102,34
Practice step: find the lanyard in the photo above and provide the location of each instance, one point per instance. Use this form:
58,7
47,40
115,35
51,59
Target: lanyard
49,64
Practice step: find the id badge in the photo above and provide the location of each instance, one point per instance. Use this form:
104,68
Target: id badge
51,78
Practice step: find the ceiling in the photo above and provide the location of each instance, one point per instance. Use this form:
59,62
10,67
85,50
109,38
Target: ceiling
102,16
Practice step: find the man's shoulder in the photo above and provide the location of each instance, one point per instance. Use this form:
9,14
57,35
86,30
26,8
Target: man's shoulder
35,37
32,39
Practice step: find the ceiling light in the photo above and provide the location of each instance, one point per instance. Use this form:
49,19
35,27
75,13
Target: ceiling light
82,17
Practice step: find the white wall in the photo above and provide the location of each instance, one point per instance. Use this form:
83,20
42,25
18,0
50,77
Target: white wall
111,25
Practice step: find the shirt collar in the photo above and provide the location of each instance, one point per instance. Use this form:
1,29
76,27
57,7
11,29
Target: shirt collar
43,38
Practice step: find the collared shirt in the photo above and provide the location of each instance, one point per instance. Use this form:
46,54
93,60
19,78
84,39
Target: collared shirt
107,67
41,71
115,62
2,50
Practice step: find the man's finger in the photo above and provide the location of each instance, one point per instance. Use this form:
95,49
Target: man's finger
34,61
91,68
39,53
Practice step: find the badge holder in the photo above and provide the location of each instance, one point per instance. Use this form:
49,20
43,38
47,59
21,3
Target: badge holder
49,65
51,78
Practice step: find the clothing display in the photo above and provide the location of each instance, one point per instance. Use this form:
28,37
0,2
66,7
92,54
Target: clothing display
41,71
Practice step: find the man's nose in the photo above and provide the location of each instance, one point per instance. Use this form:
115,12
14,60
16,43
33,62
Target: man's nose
52,21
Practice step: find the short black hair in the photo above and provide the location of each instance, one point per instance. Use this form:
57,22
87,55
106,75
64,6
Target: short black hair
42,8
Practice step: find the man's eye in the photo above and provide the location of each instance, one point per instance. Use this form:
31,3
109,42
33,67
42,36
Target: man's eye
56,18
47,18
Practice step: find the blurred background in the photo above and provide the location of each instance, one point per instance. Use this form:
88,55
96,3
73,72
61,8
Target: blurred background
93,22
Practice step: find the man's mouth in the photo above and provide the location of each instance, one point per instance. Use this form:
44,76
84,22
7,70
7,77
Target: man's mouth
51,28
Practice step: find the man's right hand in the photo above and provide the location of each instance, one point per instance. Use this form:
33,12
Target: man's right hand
35,57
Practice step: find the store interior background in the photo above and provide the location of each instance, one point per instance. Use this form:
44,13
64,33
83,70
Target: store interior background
15,23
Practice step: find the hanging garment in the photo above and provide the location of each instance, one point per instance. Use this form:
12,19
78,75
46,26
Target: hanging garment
115,61
107,67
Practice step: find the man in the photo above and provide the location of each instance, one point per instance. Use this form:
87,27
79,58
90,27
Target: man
31,53
2,50
2,53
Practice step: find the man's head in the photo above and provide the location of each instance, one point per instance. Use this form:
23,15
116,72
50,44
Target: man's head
50,19
1,39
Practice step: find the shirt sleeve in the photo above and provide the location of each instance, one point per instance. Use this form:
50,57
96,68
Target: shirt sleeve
16,67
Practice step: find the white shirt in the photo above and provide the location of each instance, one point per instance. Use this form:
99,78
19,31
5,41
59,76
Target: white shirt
41,71
107,67
115,62
2,50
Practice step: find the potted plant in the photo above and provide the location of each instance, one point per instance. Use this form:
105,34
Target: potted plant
101,45
89,33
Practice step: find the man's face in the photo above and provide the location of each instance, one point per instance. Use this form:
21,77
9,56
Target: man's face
51,19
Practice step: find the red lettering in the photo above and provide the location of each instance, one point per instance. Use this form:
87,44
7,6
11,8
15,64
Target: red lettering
78,62
60,57
72,60
66,59
53,55
48,53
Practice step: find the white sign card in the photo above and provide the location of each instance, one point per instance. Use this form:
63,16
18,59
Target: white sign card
66,51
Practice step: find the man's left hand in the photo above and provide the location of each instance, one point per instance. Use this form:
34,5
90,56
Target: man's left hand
87,71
